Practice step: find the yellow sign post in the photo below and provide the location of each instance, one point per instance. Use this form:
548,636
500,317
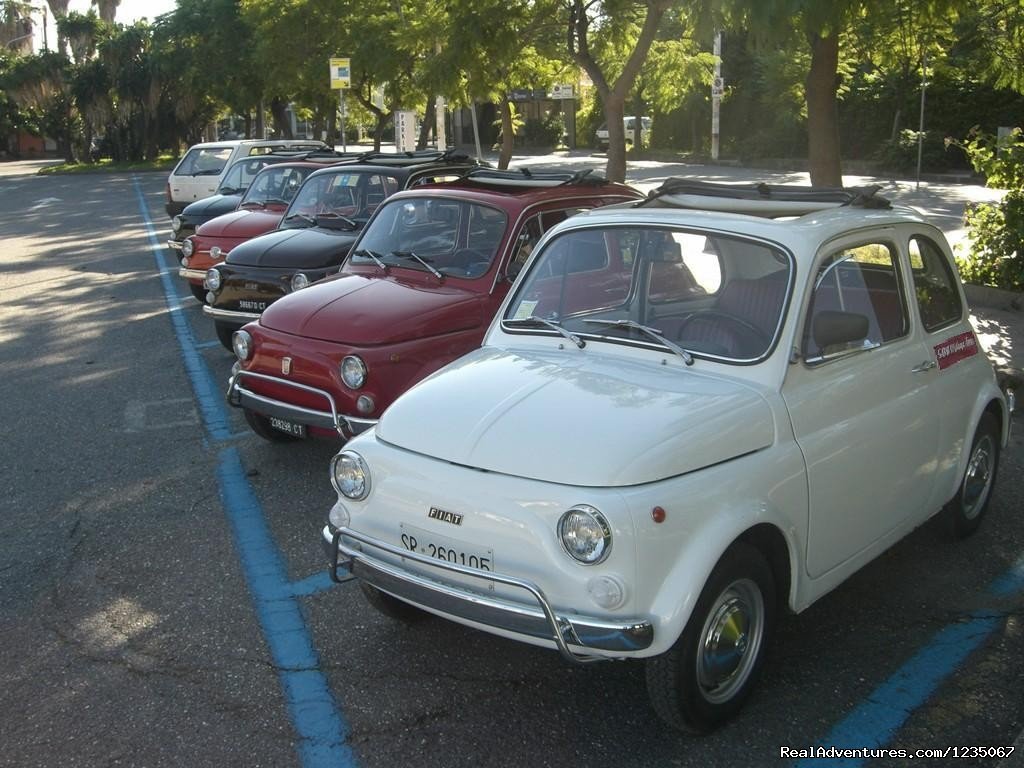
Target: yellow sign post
341,78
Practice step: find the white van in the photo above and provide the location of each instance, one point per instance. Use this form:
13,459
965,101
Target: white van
629,123
199,173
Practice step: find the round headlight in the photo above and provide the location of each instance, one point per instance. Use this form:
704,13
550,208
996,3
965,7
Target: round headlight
212,280
350,476
299,281
353,372
188,247
176,223
585,534
241,342
216,253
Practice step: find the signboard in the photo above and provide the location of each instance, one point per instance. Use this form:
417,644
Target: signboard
562,91
341,73
405,130
718,86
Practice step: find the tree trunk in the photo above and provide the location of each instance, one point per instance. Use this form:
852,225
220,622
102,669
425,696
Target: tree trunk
507,136
614,110
638,134
279,110
261,127
427,125
823,113
378,130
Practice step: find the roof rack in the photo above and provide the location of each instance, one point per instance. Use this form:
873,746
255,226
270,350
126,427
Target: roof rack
761,199
411,158
534,177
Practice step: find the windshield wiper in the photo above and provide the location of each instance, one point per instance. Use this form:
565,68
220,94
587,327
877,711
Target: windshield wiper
534,320
302,217
329,216
375,256
258,203
421,260
654,333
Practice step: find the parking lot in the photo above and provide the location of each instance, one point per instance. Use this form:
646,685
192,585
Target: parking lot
163,599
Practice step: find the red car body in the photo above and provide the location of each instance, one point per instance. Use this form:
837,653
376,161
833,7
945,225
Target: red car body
402,321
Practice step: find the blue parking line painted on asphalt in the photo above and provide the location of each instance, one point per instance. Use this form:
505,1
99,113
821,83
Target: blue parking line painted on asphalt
208,394
321,728
318,582
874,722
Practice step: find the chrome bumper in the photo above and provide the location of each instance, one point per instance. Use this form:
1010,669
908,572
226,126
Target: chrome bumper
346,426
233,315
192,274
540,621
175,244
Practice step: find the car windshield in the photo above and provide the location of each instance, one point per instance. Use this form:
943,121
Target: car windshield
344,194
205,161
713,295
455,238
240,175
275,185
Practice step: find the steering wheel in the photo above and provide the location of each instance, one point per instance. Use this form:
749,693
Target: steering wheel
758,336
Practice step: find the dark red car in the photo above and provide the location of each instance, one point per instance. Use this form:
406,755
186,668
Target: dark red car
417,291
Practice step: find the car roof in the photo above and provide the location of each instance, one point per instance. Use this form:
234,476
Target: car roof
403,163
522,187
799,218
231,143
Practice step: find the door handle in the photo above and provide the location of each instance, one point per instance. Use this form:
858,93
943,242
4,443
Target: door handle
927,365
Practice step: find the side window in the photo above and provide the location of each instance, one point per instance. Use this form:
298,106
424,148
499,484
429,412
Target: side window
857,302
524,244
378,188
934,285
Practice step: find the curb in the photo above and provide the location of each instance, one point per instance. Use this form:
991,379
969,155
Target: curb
994,298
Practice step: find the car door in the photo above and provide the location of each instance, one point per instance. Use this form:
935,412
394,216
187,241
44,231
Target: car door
862,412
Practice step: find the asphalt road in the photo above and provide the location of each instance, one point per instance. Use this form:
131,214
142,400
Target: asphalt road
138,629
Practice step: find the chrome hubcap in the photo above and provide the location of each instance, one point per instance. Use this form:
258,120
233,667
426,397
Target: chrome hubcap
730,641
978,478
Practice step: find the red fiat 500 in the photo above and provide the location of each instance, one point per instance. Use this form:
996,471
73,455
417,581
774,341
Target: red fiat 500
417,291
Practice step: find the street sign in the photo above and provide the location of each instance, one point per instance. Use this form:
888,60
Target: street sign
341,73
405,130
562,91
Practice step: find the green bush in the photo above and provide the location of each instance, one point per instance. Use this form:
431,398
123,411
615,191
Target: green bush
543,133
996,230
936,154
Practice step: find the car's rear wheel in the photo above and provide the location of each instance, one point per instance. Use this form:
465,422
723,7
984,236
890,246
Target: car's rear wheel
224,333
392,607
703,680
199,292
966,510
261,426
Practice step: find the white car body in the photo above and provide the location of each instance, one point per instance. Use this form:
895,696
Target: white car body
202,168
629,126
820,464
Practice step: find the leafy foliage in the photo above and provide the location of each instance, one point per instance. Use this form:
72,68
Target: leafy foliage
996,254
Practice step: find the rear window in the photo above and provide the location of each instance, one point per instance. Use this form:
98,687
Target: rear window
206,161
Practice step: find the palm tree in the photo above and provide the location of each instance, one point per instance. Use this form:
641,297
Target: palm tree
59,9
107,9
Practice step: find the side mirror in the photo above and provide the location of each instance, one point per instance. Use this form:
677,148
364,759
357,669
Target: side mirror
830,328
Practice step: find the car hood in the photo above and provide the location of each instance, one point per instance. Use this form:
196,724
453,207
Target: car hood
357,310
578,419
313,248
243,223
212,206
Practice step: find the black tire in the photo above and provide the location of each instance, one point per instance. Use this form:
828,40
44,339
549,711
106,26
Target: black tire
261,426
224,333
199,292
392,607
966,510
684,687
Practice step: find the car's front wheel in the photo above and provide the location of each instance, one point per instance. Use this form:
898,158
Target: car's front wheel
703,680
965,510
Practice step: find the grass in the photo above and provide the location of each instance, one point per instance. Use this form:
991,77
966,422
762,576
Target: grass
162,163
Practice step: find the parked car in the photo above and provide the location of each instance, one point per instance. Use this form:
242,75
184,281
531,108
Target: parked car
629,124
259,211
680,423
201,169
418,290
236,181
316,233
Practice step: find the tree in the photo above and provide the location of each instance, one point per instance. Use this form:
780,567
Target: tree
59,9
82,31
617,20
41,83
107,9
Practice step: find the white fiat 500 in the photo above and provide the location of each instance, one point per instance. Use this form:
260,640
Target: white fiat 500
680,422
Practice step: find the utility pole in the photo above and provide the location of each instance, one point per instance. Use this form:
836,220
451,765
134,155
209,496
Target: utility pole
716,94
920,125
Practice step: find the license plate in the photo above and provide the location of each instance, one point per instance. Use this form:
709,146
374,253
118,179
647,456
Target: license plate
288,427
447,550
